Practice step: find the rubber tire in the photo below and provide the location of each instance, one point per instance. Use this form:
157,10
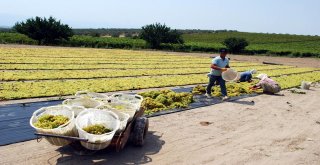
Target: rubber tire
140,131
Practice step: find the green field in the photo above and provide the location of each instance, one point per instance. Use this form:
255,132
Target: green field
259,43
272,43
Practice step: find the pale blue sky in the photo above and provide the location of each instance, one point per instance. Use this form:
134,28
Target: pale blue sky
268,16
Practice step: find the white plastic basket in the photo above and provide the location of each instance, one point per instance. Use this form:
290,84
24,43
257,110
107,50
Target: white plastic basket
67,129
91,95
96,116
230,75
121,106
123,117
82,101
77,109
133,99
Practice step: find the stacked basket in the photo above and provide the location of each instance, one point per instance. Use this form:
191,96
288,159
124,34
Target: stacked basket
66,129
89,108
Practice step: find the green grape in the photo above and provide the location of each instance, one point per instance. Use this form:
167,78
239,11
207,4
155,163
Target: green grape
51,121
97,129
167,99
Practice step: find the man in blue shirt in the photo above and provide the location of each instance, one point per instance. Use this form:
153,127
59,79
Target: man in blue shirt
219,64
247,75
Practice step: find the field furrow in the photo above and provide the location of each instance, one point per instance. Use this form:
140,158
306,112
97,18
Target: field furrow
20,75
15,90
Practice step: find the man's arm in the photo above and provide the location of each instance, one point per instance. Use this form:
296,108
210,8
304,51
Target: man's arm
257,86
214,66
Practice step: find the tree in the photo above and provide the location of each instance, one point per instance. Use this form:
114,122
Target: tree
45,31
155,34
235,45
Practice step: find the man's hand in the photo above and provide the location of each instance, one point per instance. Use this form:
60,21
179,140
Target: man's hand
255,87
224,69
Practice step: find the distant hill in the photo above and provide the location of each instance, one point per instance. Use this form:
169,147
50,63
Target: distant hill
5,29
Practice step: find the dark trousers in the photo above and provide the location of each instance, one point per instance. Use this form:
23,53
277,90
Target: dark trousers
212,80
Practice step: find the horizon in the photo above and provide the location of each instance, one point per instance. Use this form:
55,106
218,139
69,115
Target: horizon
280,17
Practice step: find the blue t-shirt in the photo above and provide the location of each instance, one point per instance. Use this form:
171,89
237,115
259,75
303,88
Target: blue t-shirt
218,61
245,76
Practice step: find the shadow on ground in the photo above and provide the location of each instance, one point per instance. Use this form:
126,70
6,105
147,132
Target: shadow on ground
244,102
129,155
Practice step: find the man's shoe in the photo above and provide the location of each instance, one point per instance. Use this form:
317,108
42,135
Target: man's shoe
225,98
208,96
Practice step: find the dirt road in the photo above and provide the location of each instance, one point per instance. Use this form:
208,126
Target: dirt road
258,130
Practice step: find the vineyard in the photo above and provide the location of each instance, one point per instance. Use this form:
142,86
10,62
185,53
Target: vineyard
42,72
279,44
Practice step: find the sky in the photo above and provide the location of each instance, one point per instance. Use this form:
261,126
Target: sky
266,16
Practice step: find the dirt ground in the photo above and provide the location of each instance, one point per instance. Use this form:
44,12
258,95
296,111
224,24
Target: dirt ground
265,129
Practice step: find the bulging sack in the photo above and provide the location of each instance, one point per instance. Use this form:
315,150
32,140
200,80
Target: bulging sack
305,85
95,116
67,129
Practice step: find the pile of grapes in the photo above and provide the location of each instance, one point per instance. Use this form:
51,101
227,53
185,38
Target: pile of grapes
233,89
97,129
51,121
155,101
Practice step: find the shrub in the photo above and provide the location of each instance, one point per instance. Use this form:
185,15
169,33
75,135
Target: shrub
155,34
16,38
235,45
45,31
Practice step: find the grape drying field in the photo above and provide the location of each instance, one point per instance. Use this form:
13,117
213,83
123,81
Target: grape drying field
42,72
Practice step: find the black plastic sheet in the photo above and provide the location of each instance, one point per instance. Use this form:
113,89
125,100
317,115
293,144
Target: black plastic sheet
14,121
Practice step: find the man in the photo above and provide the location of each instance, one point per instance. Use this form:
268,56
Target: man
247,76
267,84
219,64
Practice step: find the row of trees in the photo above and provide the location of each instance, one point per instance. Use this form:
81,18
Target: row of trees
50,31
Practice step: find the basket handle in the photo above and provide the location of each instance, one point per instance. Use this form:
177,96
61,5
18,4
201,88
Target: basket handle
138,97
114,115
117,95
66,102
79,93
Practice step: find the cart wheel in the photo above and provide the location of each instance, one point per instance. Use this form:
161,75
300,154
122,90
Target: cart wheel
140,131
